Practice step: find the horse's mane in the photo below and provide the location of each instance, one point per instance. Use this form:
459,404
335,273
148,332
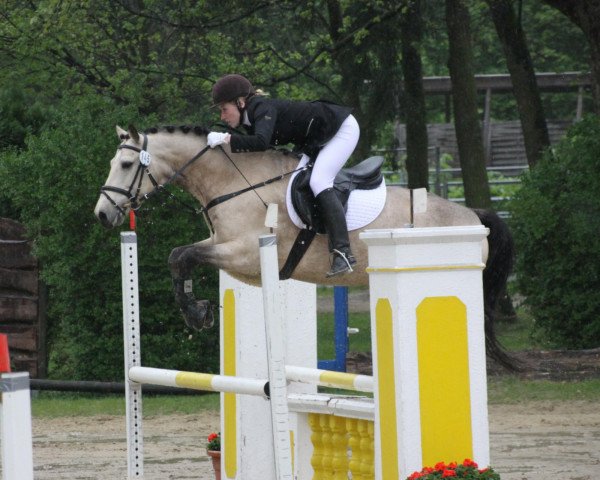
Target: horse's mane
195,129
200,130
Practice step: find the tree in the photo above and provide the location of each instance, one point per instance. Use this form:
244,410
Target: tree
586,15
413,96
53,183
531,112
364,36
464,100
555,222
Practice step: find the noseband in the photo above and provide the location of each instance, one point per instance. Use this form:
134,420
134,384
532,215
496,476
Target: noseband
134,200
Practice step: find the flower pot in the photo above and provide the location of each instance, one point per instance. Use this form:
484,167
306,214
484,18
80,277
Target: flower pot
215,456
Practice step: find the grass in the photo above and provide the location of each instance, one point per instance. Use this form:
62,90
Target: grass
52,405
511,390
521,335
359,342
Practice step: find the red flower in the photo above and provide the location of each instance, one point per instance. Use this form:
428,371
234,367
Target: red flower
212,436
467,470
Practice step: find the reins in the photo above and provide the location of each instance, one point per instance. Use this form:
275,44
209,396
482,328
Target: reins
229,196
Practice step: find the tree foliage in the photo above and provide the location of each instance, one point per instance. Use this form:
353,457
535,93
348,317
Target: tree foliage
556,219
72,70
54,184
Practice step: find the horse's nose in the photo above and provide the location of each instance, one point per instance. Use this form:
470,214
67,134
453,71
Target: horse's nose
104,219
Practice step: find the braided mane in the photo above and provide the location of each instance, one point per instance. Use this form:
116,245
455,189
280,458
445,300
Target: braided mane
195,129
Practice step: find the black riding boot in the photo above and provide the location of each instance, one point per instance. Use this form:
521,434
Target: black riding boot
334,218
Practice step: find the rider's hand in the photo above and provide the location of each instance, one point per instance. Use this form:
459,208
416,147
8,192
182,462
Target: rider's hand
217,138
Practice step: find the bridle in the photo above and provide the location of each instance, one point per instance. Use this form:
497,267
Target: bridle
134,199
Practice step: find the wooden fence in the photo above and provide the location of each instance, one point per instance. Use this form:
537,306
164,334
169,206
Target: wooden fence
22,301
505,144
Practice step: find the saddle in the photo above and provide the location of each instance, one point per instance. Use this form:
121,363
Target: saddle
364,176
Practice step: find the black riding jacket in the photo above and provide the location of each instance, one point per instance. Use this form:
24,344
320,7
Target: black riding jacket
273,122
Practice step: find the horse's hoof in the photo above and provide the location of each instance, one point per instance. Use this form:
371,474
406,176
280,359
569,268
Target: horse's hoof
198,315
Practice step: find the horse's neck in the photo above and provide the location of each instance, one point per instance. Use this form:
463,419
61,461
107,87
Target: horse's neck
175,150
219,172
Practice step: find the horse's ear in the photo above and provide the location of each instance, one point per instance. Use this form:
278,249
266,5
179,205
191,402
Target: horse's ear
133,133
122,134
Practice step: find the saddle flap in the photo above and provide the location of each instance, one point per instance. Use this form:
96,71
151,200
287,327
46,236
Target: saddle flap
364,176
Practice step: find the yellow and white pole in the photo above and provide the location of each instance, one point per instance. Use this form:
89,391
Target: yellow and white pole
199,381
328,378
427,330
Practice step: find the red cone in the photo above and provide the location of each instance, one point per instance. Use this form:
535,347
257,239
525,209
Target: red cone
4,356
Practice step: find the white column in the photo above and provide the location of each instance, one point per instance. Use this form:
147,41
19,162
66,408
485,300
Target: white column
15,423
246,430
428,347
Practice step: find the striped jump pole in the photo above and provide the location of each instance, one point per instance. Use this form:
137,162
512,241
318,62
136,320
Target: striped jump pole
428,343
328,378
199,381
209,382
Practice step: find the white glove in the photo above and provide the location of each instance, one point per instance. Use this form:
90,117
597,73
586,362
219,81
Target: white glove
217,138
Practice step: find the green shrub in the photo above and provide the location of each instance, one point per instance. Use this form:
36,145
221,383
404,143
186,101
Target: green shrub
54,184
556,221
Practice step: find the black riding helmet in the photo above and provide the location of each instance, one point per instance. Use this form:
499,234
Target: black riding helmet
230,87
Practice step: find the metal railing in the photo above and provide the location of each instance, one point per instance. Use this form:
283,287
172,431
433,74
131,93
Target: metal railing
443,180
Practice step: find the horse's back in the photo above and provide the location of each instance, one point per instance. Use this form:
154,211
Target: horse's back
440,212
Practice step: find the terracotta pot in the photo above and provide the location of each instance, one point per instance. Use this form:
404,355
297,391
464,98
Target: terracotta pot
215,456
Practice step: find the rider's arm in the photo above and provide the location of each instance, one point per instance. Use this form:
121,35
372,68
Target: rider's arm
263,117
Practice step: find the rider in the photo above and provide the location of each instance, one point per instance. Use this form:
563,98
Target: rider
323,131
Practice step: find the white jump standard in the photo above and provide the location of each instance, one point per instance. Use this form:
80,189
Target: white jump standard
15,424
429,381
427,331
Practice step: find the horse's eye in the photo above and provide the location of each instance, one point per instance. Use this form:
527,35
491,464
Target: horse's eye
126,165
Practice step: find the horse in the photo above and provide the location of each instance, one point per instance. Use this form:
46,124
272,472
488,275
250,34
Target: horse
235,189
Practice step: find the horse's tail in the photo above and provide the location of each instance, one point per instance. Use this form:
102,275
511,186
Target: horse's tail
498,267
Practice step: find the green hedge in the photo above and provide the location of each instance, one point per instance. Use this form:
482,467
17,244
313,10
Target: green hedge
556,223
52,186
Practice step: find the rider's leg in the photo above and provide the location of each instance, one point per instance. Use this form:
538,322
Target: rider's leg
328,163
333,215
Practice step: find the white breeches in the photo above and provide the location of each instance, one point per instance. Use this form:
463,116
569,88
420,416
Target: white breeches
334,154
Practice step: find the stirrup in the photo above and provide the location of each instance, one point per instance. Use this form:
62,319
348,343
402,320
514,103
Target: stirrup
344,265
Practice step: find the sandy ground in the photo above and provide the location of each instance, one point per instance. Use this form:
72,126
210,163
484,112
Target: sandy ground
530,441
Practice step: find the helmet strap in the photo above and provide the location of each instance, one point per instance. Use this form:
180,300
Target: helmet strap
239,107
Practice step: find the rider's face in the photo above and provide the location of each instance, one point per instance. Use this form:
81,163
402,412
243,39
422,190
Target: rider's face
230,114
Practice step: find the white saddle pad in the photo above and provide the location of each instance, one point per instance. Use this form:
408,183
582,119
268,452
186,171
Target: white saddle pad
364,206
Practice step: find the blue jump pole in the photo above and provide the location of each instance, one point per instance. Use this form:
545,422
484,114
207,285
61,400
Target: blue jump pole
340,298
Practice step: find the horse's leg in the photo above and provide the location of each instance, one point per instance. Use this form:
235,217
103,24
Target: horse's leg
182,261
